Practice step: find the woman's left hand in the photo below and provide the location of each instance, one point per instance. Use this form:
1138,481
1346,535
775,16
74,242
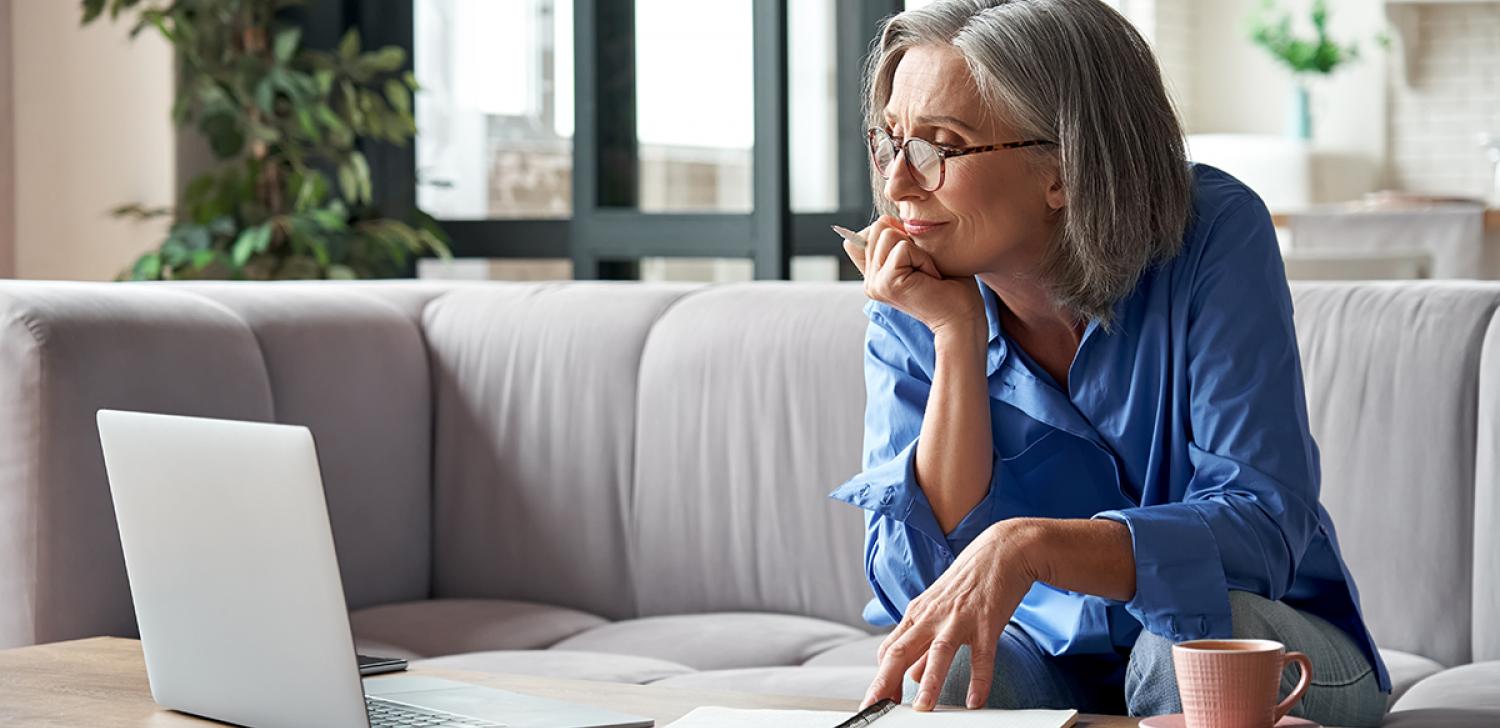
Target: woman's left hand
970,604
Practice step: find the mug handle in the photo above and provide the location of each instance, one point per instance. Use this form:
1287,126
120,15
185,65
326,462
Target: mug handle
1285,706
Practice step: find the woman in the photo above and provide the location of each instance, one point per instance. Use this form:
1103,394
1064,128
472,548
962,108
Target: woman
1086,434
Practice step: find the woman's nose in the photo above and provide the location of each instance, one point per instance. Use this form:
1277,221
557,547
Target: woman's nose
902,184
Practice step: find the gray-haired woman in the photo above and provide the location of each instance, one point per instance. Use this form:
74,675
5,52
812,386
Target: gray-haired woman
1086,435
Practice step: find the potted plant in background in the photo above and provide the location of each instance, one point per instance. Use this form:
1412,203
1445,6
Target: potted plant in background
1271,29
290,195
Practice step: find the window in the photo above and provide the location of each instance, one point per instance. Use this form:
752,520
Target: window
494,143
609,132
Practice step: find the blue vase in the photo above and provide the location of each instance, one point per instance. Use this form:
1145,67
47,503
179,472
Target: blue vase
1300,119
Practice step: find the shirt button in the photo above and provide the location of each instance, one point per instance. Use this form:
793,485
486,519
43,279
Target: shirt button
1172,626
885,498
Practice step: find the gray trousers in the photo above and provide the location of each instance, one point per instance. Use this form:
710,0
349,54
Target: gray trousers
1343,690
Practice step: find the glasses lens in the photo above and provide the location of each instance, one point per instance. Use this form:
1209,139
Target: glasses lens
926,164
882,151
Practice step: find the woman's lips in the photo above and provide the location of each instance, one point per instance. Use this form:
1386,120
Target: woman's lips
920,227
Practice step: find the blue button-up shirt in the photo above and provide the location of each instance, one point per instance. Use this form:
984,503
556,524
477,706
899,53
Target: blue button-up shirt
1186,421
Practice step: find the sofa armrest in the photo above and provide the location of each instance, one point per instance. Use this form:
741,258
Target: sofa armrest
67,350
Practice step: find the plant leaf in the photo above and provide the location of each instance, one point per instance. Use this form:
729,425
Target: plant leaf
286,43
251,241
349,45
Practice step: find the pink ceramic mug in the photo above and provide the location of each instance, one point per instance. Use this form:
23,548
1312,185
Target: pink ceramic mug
1233,683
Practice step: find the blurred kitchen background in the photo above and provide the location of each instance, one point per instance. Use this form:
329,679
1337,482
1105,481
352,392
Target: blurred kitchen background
1388,171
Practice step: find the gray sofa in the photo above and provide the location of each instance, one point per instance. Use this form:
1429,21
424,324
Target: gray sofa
627,482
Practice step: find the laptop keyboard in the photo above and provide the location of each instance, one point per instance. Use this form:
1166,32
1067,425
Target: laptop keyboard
391,714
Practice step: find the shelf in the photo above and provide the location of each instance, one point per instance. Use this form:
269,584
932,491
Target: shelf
1406,18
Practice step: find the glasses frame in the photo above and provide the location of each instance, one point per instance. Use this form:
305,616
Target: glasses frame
943,153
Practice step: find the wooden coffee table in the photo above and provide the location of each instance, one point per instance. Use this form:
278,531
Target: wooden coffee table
102,682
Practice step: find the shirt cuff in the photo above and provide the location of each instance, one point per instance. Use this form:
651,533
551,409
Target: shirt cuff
891,490
1180,589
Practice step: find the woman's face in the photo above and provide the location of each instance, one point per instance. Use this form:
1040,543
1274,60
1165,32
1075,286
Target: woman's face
996,210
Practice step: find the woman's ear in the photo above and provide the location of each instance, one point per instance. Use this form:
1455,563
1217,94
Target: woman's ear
1057,196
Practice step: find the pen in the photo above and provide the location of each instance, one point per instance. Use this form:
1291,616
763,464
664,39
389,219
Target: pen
849,235
868,715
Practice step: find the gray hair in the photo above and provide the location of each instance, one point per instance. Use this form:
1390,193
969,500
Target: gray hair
1075,72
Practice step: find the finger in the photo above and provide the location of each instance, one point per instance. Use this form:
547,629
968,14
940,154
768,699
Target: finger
920,260
981,672
870,234
939,659
856,255
915,673
908,621
894,222
899,260
887,683
884,241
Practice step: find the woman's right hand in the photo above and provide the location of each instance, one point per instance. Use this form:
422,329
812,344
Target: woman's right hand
904,276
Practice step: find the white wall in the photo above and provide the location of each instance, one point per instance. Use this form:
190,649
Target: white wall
1453,95
92,130
7,150
1238,87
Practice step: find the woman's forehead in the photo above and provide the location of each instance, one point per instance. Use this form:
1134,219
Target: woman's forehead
932,86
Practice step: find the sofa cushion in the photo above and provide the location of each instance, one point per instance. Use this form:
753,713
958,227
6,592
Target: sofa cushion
534,388
1470,687
1407,670
858,653
376,648
848,683
1442,718
717,641
751,398
1392,378
449,626
562,663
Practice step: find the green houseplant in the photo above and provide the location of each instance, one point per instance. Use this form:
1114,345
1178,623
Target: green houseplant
290,193
1271,29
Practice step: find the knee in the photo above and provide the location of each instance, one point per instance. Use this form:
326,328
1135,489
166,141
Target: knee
1252,616
1150,680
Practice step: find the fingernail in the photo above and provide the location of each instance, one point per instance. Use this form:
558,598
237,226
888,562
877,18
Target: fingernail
974,702
923,701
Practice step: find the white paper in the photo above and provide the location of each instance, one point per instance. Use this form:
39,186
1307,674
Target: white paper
902,717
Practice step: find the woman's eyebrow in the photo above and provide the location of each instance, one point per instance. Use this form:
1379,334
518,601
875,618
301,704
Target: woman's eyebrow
939,119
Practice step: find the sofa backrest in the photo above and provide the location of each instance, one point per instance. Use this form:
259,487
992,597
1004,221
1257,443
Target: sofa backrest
534,439
1487,503
635,449
1392,373
750,411
346,360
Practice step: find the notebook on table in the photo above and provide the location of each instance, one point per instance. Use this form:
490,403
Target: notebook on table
896,716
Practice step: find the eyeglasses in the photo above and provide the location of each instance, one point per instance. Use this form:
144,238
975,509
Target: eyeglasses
927,162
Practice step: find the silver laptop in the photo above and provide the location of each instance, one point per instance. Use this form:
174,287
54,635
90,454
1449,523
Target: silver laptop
237,592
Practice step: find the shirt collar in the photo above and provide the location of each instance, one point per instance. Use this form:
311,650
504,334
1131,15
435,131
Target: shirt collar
991,308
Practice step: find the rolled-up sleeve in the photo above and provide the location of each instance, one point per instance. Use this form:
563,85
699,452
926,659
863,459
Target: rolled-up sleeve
905,547
1249,510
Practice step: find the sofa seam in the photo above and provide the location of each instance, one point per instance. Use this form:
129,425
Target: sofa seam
630,502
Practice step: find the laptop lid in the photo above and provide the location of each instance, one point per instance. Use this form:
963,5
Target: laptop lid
232,570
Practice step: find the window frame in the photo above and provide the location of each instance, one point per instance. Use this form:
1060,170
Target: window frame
607,242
